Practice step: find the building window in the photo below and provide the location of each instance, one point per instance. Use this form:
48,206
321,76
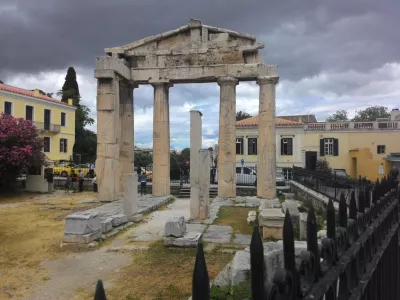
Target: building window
63,146
329,147
381,149
29,113
46,147
47,117
8,108
239,145
287,146
63,115
252,146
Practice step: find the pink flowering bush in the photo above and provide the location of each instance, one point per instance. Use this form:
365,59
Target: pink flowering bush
20,147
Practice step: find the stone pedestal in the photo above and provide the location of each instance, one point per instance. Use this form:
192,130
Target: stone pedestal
82,228
126,132
266,148
195,146
161,140
130,195
227,137
204,184
271,221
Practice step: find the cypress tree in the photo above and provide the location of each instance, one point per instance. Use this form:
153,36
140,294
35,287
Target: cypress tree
70,88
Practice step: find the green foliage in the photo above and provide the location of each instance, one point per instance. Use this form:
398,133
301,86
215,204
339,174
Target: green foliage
371,114
339,116
241,115
322,166
143,159
236,292
70,88
50,177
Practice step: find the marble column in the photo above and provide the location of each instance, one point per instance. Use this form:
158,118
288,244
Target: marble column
227,137
266,156
204,165
126,131
195,146
107,165
161,140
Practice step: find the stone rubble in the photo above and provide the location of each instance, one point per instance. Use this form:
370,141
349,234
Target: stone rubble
175,227
251,217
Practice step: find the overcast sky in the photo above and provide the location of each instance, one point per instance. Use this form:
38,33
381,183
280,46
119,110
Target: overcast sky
331,54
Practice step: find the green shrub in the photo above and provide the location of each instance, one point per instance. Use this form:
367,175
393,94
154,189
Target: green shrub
237,292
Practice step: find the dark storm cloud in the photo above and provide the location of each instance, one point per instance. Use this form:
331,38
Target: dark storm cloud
302,37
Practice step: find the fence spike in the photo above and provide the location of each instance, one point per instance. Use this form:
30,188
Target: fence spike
100,294
361,204
257,265
289,253
330,221
367,197
342,211
312,241
353,207
201,281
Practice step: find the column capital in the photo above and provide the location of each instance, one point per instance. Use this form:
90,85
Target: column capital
267,80
227,81
133,84
167,84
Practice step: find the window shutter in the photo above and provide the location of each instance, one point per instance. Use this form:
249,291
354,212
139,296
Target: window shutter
321,147
256,147
335,147
290,146
61,145
65,146
281,146
241,146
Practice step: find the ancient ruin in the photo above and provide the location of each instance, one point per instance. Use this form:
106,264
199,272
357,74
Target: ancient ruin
193,53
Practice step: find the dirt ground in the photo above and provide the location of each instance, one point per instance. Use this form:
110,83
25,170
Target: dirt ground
31,229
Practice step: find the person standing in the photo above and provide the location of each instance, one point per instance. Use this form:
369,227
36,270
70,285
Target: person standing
143,182
139,172
67,184
81,176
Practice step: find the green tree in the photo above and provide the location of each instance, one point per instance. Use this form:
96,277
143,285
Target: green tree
143,159
372,113
85,139
338,116
241,115
70,89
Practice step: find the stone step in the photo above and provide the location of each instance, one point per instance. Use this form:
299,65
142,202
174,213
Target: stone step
185,193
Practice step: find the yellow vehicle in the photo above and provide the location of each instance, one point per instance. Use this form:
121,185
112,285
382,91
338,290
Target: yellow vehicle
83,167
149,173
63,168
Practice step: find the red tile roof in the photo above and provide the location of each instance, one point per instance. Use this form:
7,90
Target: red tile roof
23,92
253,121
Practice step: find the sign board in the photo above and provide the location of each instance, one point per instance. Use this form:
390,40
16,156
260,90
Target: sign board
381,170
242,162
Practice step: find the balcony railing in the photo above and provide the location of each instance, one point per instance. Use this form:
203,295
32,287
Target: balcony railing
47,127
347,126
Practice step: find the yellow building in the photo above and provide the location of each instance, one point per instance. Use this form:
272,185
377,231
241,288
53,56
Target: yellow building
368,149
54,119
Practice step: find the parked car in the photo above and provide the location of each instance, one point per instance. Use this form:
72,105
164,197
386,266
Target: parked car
63,168
244,176
280,180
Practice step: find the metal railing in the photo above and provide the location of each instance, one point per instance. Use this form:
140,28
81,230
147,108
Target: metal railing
47,127
358,259
343,126
328,184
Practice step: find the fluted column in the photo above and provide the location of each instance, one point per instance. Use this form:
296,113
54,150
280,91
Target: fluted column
227,137
126,131
161,140
266,156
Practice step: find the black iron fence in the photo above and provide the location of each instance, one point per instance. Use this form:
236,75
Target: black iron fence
329,184
359,258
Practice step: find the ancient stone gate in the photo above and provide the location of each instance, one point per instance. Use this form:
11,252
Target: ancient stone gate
193,53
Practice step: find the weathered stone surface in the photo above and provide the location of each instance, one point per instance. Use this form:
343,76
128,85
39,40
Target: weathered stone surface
82,238
119,219
130,195
303,226
106,225
196,228
270,232
218,234
224,277
292,207
321,234
189,240
82,223
272,217
195,146
270,203
251,217
240,267
89,201
175,227
128,248
242,239
288,195
204,184
137,218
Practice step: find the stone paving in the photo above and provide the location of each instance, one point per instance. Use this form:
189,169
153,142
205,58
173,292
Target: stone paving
218,234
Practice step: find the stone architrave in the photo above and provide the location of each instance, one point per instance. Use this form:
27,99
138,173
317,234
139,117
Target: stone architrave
227,137
195,146
130,195
161,140
204,166
266,148
126,131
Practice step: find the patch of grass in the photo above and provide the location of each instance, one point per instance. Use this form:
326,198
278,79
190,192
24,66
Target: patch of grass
161,273
237,292
236,217
28,236
281,198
